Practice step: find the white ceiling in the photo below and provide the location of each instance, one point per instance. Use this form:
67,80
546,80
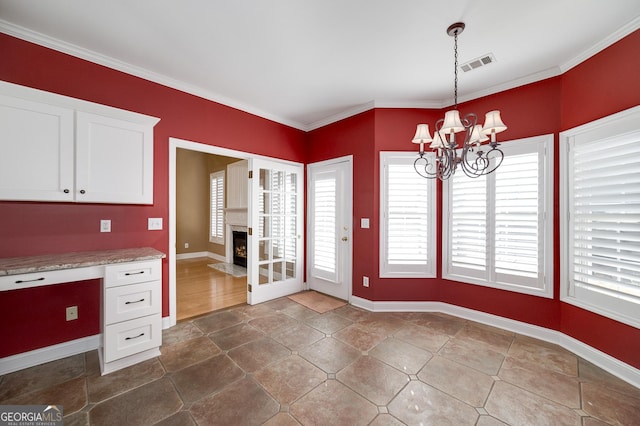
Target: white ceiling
309,62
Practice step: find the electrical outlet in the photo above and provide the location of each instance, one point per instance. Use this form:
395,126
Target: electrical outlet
72,313
186,245
105,225
365,281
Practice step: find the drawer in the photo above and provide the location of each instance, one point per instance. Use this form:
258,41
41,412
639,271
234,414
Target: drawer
133,336
36,279
131,301
134,272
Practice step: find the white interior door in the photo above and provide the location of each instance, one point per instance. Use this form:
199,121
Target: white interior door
274,241
329,227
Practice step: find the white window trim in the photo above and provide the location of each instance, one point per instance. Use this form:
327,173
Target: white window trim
218,239
618,124
513,147
391,271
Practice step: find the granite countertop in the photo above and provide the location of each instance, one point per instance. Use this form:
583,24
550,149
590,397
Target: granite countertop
55,262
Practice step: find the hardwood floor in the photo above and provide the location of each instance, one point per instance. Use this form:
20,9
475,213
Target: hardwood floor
201,289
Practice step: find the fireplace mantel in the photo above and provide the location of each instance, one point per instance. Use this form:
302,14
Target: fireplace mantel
236,216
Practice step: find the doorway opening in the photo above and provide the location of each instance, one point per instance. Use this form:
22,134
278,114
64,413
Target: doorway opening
206,187
276,183
198,280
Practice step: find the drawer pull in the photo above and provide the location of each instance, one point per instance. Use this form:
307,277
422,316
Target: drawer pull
30,281
135,301
134,337
134,273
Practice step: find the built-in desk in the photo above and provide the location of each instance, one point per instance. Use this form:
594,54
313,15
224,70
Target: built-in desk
131,314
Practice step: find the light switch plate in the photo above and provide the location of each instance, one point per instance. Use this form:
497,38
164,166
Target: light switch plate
364,223
155,224
105,225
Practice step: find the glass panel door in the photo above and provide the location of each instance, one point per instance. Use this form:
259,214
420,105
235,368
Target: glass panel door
275,222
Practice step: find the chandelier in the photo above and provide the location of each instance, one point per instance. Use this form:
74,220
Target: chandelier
471,157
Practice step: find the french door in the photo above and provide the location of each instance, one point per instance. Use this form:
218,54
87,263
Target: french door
329,227
275,238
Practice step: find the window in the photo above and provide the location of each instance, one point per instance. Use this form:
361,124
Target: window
600,223
407,212
216,233
497,229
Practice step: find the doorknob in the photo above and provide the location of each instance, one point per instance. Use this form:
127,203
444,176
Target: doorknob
344,238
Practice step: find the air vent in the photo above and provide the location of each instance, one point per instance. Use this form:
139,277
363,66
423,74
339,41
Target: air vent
478,62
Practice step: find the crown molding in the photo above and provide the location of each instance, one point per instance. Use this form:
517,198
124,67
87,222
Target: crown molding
621,33
107,61
528,79
349,112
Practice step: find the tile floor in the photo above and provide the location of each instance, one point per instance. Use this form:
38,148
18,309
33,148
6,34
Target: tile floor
280,363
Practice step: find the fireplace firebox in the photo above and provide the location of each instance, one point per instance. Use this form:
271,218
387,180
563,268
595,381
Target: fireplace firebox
240,248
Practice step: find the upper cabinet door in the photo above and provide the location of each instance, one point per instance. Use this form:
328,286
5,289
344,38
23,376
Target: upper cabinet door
36,151
114,160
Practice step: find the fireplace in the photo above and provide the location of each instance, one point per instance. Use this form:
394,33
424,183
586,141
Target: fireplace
240,248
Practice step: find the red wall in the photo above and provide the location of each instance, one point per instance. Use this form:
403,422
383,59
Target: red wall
600,86
596,88
604,84
394,130
353,136
39,228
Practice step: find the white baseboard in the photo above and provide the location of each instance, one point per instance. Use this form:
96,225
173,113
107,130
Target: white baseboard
201,254
216,257
50,353
168,322
608,363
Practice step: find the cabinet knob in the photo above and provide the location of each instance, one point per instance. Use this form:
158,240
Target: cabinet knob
66,191
82,191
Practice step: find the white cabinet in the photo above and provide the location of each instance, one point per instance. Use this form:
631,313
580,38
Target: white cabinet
36,151
132,314
56,148
114,160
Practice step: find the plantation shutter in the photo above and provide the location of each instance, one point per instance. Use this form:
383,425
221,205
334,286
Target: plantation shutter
497,228
468,225
518,215
217,207
325,233
407,213
408,203
605,217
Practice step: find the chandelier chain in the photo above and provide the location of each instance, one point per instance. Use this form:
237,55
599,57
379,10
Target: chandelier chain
455,70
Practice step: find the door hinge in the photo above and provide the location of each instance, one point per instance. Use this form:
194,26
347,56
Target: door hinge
250,231
249,288
250,174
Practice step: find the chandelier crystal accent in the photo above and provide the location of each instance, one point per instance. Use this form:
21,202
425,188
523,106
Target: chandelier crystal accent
473,158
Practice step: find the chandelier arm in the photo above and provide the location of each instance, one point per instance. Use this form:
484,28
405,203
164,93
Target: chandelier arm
483,164
427,174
